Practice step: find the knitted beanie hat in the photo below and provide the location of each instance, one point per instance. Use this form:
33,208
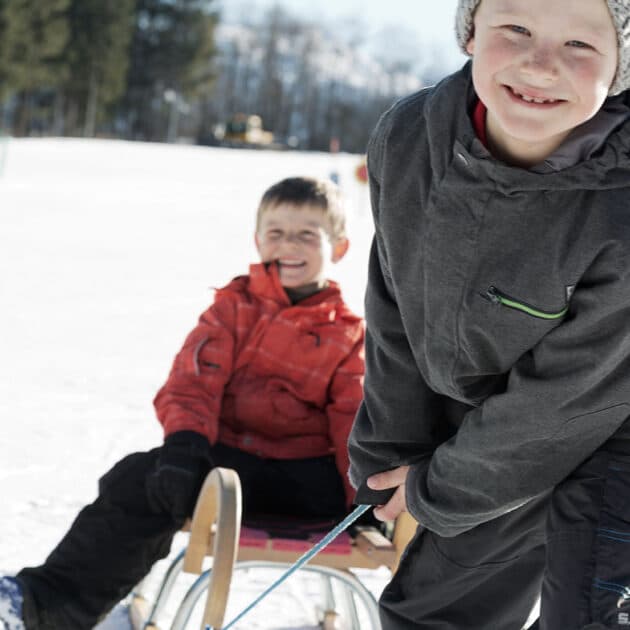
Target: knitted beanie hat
619,10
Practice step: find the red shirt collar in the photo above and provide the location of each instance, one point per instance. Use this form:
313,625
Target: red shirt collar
479,122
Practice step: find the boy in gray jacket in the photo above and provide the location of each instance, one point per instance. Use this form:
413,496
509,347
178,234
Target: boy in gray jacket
497,390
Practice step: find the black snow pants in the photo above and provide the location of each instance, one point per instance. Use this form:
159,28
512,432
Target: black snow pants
571,548
114,542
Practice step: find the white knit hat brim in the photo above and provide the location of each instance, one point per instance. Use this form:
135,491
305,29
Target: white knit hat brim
619,10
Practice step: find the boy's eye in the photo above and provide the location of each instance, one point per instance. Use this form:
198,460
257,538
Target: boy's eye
274,234
576,43
515,28
308,237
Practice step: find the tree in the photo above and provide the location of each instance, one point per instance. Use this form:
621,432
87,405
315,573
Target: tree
171,55
34,37
3,49
97,54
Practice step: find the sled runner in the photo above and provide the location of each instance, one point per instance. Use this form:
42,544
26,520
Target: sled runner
216,531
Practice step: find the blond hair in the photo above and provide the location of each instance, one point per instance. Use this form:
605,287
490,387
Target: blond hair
307,191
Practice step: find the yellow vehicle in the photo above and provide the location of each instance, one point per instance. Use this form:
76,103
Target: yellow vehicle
246,130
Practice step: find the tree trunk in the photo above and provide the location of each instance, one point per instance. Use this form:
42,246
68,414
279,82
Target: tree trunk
58,115
23,114
91,110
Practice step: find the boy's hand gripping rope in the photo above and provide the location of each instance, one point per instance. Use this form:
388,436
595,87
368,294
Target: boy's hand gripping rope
366,498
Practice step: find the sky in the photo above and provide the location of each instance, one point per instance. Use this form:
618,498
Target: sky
431,21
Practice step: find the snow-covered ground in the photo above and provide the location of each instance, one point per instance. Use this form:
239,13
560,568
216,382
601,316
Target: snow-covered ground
108,253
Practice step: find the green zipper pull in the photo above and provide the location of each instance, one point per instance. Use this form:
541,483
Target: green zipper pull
493,295
496,297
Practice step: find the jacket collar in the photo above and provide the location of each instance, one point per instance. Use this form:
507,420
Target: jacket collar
581,144
326,305
447,118
585,141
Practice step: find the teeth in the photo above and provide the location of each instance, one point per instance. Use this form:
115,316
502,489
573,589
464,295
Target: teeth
531,99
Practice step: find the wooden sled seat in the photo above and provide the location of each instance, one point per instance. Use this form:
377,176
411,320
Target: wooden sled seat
368,548
268,542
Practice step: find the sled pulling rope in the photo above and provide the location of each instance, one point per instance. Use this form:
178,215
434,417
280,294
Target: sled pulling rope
326,540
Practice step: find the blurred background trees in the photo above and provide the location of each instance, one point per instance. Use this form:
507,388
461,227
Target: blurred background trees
97,61
171,64
170,70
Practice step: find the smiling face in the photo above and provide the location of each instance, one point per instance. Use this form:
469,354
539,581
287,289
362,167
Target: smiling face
298,239
541,68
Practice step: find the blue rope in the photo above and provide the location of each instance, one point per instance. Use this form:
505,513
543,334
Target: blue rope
361,509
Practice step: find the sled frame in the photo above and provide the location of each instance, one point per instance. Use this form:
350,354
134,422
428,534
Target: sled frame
215,531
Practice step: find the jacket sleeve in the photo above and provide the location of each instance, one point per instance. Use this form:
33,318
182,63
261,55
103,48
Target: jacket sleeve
564,399
396,423
345,392
190,400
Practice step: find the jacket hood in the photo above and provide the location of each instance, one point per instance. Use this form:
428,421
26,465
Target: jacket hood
447,118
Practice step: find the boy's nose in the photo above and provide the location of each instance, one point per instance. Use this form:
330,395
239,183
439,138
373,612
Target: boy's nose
292,238
540,67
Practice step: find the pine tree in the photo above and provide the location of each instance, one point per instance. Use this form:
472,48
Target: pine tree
171,60
98,57
3,51
34,37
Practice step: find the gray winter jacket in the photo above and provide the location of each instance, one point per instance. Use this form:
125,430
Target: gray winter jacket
498,314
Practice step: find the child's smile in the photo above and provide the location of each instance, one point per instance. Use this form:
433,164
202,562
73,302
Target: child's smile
541,68
529,97
290,270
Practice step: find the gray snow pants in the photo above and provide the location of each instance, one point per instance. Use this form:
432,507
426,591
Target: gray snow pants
572,548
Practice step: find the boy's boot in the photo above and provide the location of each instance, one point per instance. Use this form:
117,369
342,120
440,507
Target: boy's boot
10,604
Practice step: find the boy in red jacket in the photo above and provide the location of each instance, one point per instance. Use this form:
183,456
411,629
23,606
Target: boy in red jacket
268,383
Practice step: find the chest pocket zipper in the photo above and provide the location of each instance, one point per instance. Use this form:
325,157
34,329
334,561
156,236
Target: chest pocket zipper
497,297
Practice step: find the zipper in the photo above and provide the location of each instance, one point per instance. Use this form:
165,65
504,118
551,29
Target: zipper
498,297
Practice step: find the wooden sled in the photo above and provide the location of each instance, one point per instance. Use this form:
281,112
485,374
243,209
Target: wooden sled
216,531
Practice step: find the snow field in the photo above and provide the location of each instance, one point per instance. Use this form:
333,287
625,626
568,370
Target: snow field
108,253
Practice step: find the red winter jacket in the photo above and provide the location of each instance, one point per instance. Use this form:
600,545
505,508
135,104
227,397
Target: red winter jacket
270,378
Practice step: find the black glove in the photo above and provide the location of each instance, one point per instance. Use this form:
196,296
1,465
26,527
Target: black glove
367,496
182,466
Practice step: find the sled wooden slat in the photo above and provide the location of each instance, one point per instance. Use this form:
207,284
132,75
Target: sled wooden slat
369,549
219,502
138,612
404,530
